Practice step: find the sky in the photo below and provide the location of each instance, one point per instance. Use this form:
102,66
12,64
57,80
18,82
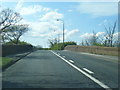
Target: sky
80,19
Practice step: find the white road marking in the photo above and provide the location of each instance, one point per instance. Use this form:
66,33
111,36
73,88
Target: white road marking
88,71
64,56
58,54
86,74
71,61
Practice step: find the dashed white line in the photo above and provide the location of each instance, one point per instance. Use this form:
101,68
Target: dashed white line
64,56
71,61
86,74
88,71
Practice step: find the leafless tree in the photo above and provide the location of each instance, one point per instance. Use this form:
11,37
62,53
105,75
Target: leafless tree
52,41
109,35
15,32
3,37
8,18
93,40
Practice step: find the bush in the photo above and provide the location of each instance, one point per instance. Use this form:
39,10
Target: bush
60,46
98,44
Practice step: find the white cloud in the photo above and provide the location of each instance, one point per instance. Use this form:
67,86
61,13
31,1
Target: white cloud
46,25
68,33
31,9
71,32
116,34
89,35
37,28
99,34
86,35
98,9
41,29
51,16
46,30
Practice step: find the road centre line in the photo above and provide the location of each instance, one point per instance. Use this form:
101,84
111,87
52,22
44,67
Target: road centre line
86,74
64,56
71,61
88,71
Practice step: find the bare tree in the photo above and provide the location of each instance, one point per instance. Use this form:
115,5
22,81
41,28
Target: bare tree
3,37
109,35
52,41
82,43
93,39
8,18
15,32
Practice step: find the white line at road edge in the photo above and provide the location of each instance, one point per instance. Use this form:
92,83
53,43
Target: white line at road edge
86,74
88,71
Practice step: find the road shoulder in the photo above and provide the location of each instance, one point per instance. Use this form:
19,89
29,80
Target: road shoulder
15,58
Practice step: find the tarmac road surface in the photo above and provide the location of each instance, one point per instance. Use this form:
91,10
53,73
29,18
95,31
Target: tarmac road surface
62,69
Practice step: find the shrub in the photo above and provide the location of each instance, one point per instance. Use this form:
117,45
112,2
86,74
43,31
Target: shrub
60,46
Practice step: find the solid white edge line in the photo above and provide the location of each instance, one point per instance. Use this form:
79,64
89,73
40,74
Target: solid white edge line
86,74
88,71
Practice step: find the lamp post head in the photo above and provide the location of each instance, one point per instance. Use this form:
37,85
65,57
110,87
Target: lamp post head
58,19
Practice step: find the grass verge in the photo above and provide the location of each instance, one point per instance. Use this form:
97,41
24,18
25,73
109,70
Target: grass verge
4,61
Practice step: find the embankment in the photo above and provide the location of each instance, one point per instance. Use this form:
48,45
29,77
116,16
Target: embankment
14,49
93,49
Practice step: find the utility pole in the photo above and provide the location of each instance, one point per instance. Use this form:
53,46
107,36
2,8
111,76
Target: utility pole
63,30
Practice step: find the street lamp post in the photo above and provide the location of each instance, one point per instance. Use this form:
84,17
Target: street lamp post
63,30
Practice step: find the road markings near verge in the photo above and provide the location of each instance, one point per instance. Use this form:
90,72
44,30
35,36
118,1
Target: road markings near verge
86,74
88,71
71,61
64,56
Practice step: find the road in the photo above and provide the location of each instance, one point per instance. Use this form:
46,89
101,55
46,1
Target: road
62,69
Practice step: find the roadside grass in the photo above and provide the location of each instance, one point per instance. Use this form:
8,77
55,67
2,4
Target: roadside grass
4,61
